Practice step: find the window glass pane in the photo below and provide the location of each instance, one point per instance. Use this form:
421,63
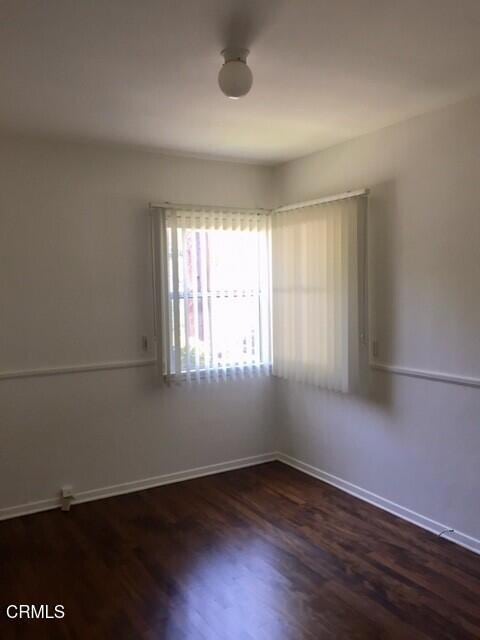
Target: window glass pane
221,300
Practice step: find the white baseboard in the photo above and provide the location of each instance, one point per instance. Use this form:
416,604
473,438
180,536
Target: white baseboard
464,540
136,485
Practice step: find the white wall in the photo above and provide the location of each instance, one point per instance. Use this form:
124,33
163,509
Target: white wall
415,442
75,289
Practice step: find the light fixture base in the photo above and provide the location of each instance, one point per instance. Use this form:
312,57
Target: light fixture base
235,53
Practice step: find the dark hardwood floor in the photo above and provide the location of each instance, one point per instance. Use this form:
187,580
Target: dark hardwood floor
260,553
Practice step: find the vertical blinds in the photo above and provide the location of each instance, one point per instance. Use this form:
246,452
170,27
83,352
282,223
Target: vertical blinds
237,290
315,303
213,292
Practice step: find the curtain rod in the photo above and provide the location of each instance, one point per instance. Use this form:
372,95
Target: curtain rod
310,203
204,207
288,207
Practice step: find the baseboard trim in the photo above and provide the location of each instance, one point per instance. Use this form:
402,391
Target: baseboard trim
136,485
448,533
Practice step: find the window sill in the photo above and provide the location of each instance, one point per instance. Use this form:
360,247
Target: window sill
216,375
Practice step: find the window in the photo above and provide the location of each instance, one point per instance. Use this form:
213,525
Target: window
318,303
213,289
215,293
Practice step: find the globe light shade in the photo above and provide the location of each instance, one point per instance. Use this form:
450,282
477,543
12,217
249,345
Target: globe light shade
235,78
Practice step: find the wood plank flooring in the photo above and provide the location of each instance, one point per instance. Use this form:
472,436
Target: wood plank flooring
261,553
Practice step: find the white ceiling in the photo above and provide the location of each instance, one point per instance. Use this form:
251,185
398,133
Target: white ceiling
145,72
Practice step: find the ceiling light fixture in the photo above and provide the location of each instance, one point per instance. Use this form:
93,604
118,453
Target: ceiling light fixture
235,77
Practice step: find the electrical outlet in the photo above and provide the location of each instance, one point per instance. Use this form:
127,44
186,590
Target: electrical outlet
145,343
66,497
